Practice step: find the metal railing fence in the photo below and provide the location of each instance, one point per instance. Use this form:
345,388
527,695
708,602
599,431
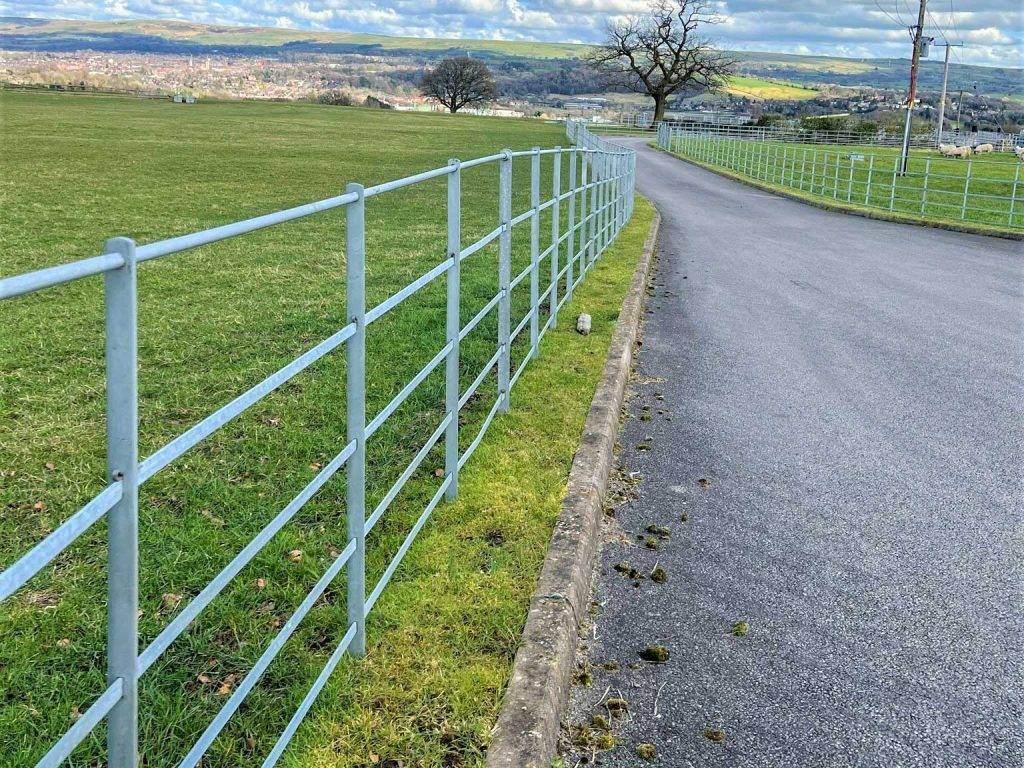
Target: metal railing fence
795,135
940,188
598,194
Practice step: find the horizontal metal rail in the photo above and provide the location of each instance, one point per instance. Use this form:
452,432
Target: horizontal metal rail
215,587
599,203
219,418
42,553
195,754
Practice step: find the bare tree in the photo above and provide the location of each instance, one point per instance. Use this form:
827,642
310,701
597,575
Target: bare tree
663,53
459,81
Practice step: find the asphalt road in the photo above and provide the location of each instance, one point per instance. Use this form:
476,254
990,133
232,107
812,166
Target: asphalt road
851,392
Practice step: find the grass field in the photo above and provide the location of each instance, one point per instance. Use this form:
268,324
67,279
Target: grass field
215,321
931,191
760,88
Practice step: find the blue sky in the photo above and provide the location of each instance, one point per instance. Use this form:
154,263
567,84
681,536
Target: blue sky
990,28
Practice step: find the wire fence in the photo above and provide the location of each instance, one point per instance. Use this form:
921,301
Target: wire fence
596,195
984,192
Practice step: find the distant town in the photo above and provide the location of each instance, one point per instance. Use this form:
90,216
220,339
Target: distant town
391,81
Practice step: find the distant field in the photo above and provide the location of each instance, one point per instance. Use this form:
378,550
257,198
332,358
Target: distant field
214,321
862,177
760,88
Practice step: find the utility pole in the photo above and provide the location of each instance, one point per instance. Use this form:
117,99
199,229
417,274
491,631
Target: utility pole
915,62
942,101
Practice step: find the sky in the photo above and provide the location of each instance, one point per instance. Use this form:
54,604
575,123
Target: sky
990,29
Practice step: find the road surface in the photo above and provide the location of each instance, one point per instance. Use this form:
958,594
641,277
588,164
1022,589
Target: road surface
835,405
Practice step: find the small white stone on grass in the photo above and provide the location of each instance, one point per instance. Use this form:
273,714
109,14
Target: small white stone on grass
583,324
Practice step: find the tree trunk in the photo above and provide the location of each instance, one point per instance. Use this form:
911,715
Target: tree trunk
659,107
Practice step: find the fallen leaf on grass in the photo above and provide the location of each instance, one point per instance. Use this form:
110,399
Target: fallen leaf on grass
226,685
170,600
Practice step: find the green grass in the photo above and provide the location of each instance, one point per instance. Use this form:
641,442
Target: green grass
994,177
215,321
761,88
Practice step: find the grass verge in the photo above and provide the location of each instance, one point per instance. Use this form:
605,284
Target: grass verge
442,646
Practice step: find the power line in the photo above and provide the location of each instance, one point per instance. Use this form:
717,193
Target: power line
938,27
952,21
892,18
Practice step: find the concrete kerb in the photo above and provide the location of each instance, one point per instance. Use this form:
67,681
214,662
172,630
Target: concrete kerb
526,734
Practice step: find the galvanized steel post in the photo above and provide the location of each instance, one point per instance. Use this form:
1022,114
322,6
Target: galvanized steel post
452,327
355,403
967,186
570,255
556,211
592,234
120,290
534,251
504,277
924,184
1013,195
871,171
584,220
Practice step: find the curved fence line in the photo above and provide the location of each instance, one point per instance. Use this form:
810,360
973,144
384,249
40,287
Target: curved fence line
935,187
1001,142
598,193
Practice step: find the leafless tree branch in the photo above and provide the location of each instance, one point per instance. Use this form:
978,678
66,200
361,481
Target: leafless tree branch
664,52
459,81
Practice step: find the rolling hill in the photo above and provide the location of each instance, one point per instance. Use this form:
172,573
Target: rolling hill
22,34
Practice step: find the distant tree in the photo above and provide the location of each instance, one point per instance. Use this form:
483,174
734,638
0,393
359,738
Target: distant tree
664,52
374,103
825,123
769,119
336,98
459,81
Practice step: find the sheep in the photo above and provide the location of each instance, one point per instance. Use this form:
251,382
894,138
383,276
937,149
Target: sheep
947,149
983,148
1019,152
963,152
